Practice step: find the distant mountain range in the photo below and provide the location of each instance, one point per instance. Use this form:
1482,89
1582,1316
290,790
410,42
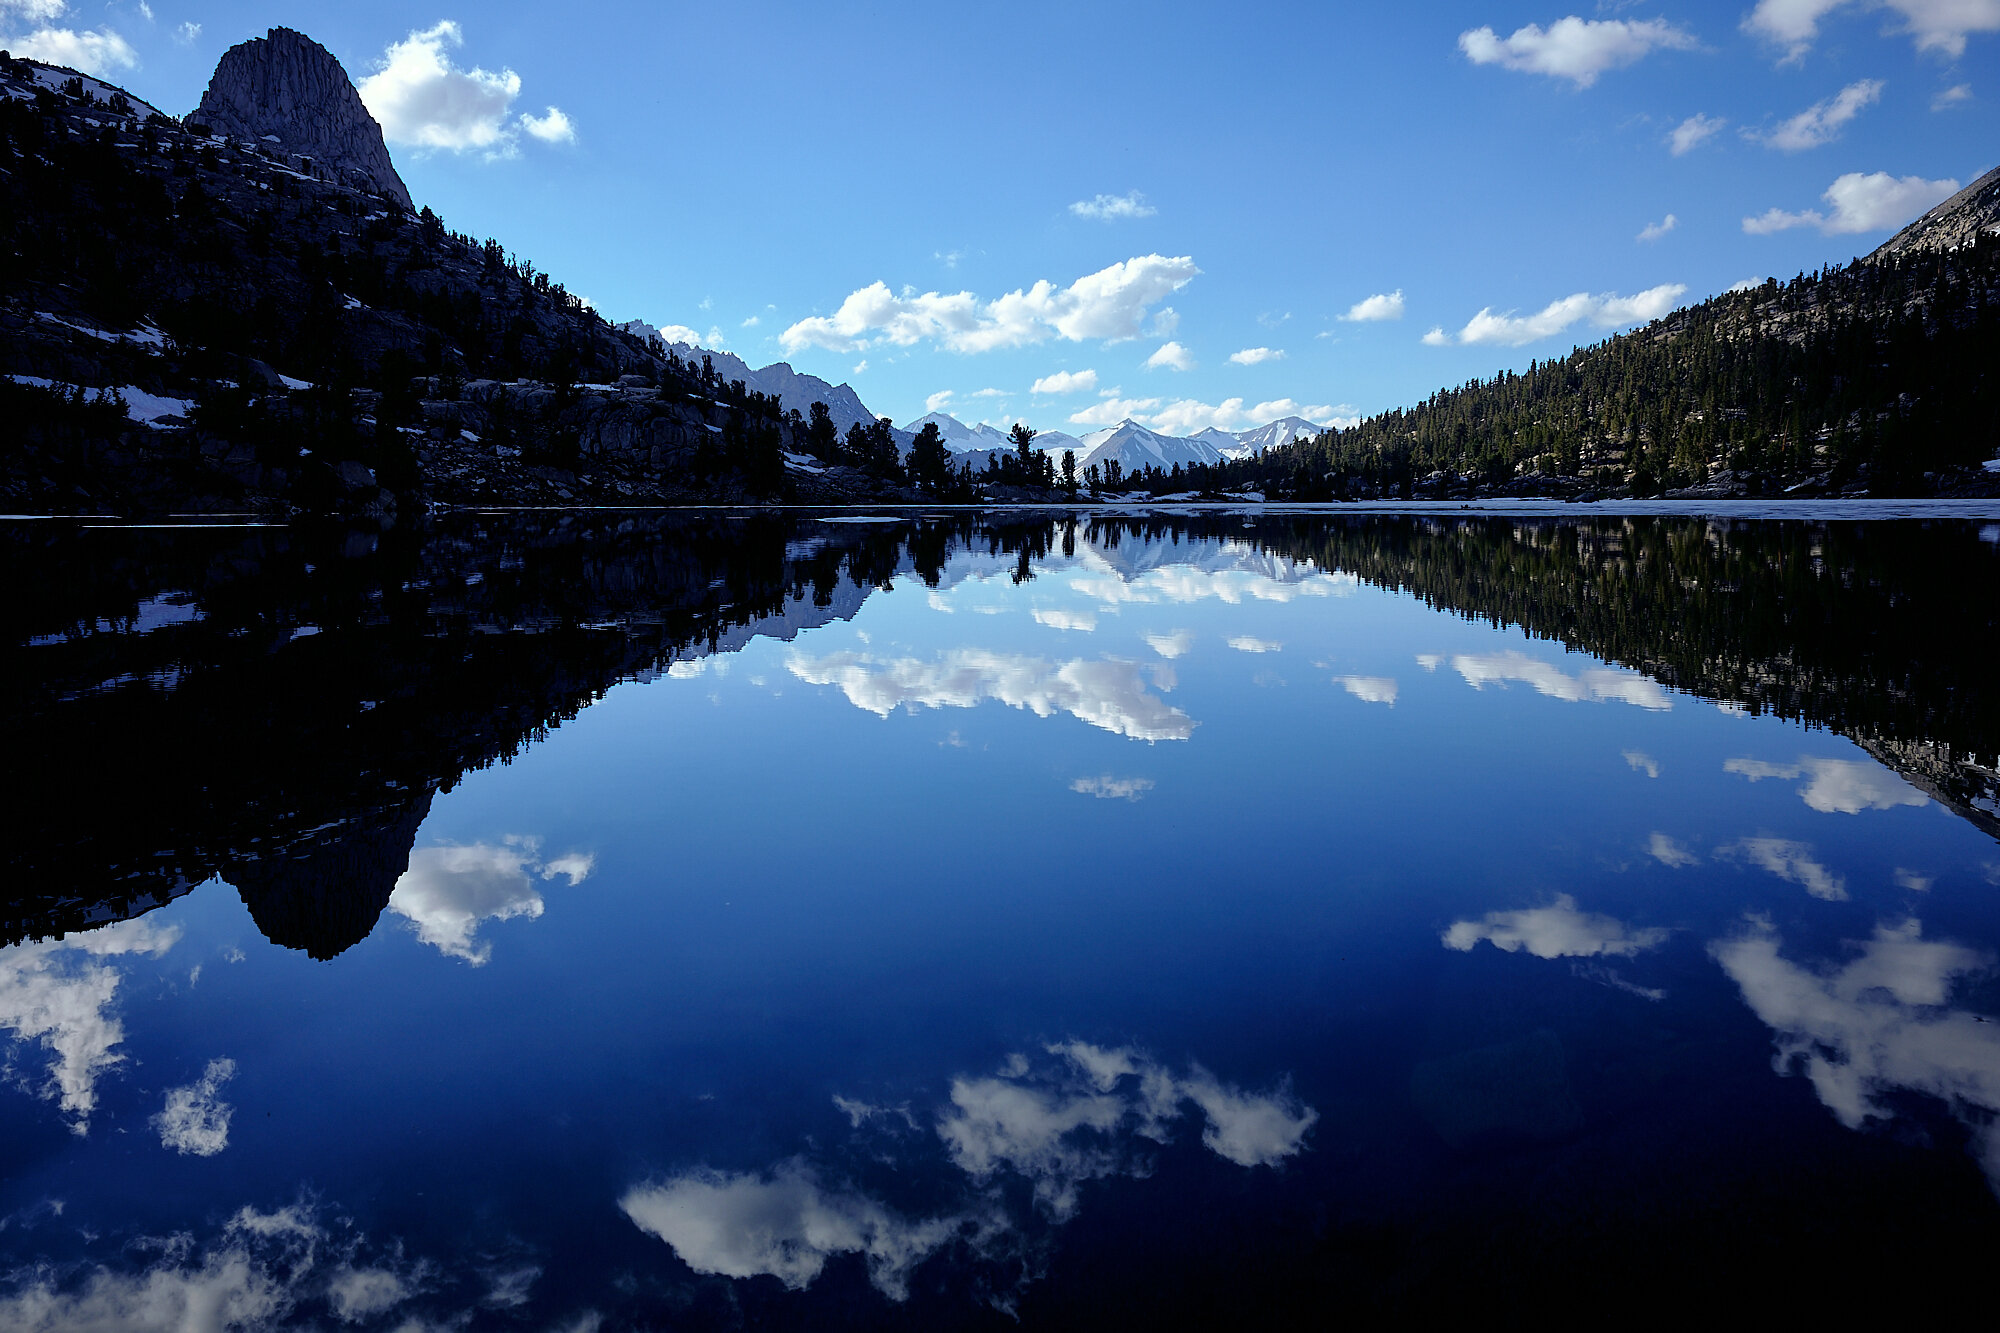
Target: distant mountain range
1133,446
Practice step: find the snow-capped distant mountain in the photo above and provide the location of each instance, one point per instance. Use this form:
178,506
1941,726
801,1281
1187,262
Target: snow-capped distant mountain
794,390
1135,447
961,438
1250,443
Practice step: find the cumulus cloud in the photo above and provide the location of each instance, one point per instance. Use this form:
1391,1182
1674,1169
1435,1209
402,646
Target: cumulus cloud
1257,356
1171,355
60,993
1105,693
264,1270
1066,381
1574,48
195,1119
1594,685
1822,122
1670,853
1792,862
1247,643
1383,305
1108,788
1110,304
1836,786
1875,201
1653,231
1956,95
1692,133
1641,762
449,891
552,126
785,1224
99,51
1606,310
1060,1127
1055,1119
423,100
1190,583
1556,931
1063,618
1112,207
1171,645
1369,689
1939,26
1878,1023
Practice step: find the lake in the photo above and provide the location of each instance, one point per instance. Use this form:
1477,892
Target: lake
724,919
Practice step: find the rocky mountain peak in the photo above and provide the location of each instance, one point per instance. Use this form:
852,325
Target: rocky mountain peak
287,86
1953,224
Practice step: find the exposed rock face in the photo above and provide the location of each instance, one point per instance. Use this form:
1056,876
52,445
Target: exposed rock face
289,86
1955,223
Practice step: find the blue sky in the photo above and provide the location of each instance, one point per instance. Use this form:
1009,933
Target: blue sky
1189,183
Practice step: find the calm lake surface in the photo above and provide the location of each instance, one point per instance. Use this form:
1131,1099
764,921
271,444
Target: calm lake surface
731,920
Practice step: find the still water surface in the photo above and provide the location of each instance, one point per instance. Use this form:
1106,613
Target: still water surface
614,920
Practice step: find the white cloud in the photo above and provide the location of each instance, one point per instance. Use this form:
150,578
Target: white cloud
1165,320
1171,645
99,52
1605,311
1105,693
1873,202
938,401
1556,931
1914,882
1653,231
1110,304
424,101
37,11
1792,862
1383,305
1875,1024
1188,583
553,126
1066,381
448,891
1369,689
57,993
859,366
1594,685
187,33
195,1120
1836,786
1746,285
1641,762
785,1225
1256,356
1108,788
255,1275
1940,26
1430,661
1054,1123
1246,643
1573,48
1171,355
1956,95
1437,337
1111,207
1822,122
1692,133
1670,853
1063,618
1111,410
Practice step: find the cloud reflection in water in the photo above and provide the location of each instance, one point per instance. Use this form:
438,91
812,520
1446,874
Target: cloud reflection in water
1876,1023
1105,693
1051,1123
448,891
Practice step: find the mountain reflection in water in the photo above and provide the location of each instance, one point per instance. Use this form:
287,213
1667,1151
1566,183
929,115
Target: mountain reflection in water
1208,997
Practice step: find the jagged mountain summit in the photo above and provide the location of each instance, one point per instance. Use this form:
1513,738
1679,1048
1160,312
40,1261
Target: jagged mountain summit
287,89
1133,447
1953,224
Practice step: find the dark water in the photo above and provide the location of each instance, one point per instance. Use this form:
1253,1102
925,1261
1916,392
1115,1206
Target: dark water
733,921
